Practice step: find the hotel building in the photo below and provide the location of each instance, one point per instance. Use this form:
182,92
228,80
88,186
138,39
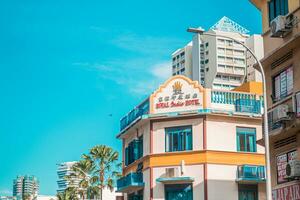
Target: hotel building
63,170
188,142
25,185
217,62
281,63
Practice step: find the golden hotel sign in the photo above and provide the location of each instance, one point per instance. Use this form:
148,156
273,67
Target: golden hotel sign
177,94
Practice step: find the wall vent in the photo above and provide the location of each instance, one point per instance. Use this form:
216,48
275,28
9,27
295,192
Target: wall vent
282,59
286,141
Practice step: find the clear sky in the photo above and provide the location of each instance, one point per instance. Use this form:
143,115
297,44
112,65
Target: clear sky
70,69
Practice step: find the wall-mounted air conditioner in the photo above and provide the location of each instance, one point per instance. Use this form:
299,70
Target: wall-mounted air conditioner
281,113
293,169
280,26
172,172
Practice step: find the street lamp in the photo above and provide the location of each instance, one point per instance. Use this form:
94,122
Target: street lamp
201,31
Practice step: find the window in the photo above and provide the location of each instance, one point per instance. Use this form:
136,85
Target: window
134,151
178,191
229,52
221,50
225,78
246,139
221,42
283,84
277,7
206,44
238,53
239,61
179,139
221,58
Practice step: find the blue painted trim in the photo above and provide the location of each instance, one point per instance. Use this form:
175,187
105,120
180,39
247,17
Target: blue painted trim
175,179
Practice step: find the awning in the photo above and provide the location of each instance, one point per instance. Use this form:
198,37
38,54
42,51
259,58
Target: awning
175,180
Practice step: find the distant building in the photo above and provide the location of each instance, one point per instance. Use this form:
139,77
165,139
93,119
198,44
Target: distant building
217,62
182,61
63,170
7,198
45,197
25,185
255,43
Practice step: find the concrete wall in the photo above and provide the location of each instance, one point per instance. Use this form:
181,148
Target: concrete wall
221,182
159,133
221,132
194,171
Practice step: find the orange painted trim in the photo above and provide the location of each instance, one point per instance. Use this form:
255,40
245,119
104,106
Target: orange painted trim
198,157
195,84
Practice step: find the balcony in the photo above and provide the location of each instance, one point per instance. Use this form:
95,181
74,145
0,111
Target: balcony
135,114
251,174
131,182
235,101
248,106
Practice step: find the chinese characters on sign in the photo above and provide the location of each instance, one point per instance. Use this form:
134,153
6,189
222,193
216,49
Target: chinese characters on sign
178,95
177,101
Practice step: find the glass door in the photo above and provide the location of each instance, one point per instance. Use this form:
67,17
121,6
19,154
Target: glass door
179,192
248,192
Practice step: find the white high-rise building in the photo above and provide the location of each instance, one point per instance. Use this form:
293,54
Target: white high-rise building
182,61
255,43
63,170
215,61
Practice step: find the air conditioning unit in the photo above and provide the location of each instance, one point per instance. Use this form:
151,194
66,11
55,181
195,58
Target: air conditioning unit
293,169
278,26
172,172
281,113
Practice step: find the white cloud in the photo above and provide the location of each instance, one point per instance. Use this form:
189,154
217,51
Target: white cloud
146,65
5,192
162,70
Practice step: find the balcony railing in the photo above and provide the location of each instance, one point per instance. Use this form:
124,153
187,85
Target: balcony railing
251,173
229,97
134,114
248,106
130,182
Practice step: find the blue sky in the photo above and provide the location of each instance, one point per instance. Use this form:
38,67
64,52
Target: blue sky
67,65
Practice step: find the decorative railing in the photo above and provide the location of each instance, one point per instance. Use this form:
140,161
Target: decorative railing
243,102
251,173
229,97
134,114
130,180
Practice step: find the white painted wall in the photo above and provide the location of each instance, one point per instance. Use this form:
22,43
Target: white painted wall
221,132
221,182
159,133
194,171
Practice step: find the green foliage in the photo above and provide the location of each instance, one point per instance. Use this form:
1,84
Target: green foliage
97,170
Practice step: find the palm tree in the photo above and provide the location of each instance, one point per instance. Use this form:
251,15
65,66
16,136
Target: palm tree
81,179
105,163
26,197
68,194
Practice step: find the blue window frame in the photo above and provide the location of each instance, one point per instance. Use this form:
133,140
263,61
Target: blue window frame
179,138
277,7
179,191
246,139
134,151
